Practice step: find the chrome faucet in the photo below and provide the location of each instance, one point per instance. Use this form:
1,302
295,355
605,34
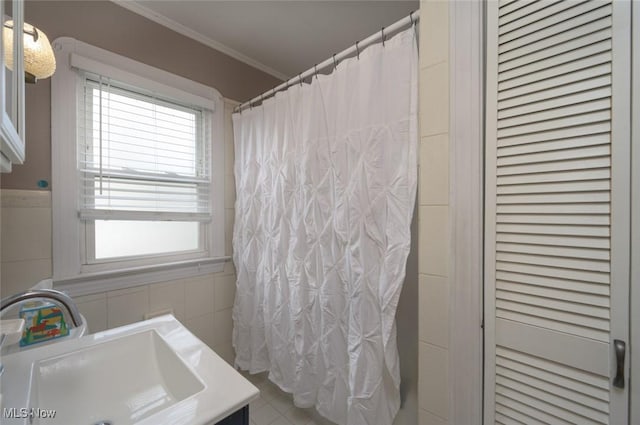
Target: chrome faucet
2,337
52,294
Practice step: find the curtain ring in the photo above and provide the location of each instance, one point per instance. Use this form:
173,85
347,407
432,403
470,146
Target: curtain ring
413,24
357,50
315,68
335,64
300,79
382,36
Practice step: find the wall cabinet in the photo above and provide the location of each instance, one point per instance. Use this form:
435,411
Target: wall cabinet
12,149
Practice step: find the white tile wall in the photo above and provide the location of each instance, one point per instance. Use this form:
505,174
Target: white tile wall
203,327
18,276
94,309
26,198
192,301
434,170
434,233
199,296
426,418
171,295
223,328
434,310
433,382
434,95
434,29
25,236
434,239
22,233
227,352
225,292
127,306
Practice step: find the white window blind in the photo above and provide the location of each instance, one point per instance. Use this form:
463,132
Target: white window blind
140,157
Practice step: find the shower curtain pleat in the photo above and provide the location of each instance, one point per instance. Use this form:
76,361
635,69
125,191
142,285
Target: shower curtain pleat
326,177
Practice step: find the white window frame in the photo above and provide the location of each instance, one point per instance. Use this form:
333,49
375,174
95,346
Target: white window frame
73,271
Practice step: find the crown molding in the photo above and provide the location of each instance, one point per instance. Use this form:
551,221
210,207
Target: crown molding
188,32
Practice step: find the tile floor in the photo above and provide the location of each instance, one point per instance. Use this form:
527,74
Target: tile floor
275,407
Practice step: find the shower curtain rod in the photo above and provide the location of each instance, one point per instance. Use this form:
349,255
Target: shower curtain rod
412,19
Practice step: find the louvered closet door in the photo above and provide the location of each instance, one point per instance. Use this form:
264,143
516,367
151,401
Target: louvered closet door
557,202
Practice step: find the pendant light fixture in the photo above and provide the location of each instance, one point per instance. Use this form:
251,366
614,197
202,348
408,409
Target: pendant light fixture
39,60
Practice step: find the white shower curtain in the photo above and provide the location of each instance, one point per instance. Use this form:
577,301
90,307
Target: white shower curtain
326,185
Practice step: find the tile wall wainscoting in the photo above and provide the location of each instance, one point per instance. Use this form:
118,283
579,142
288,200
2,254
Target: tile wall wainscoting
25,239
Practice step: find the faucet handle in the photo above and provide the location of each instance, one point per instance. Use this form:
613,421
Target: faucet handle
2,338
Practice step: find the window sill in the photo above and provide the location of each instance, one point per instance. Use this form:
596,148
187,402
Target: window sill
92,283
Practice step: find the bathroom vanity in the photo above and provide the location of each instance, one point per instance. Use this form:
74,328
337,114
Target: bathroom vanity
152,372
241,417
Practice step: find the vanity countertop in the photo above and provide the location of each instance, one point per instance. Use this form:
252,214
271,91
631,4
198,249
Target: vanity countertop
171,378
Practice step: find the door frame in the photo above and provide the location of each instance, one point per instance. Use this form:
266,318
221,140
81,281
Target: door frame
619,406
634,384
466,197
490,129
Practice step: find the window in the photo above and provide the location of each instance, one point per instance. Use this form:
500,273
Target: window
143,193
144,166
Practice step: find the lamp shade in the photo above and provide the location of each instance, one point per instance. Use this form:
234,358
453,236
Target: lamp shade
39,60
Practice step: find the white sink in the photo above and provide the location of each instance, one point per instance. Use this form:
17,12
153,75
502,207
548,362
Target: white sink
121,381
153,372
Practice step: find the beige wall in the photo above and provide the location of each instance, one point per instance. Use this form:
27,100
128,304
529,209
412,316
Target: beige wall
203,304
434,234
111,27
